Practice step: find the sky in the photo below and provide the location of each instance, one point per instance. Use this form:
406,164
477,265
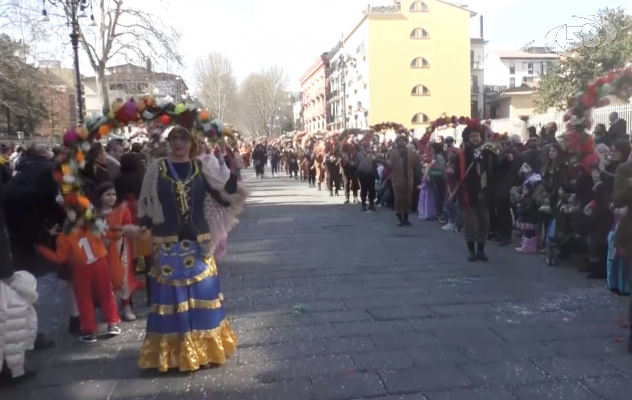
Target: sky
292,33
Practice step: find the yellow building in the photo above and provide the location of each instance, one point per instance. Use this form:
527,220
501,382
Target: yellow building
408,63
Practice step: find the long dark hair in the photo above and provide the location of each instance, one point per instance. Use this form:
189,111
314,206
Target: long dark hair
130,180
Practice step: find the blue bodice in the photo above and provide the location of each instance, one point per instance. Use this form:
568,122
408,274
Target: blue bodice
181,192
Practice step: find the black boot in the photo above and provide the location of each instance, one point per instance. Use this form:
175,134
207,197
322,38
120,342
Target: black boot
598,270
480,252
471,252
400,218
347,199
42,343
371,206
364,206
74,326
406,221
331,193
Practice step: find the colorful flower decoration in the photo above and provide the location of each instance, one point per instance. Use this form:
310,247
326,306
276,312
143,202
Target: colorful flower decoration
78,141
386,126
579,143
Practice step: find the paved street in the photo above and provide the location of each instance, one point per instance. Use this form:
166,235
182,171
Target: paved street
330,303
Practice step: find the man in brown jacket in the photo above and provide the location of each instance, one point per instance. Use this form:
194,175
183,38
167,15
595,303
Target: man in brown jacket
403,162
622,197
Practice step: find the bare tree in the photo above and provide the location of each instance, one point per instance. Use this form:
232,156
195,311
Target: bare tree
216,85
123,32
262,98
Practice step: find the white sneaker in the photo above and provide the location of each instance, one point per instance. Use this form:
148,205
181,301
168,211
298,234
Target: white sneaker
128,314
448,227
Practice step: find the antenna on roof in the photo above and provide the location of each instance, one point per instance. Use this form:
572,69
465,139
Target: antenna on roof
527,47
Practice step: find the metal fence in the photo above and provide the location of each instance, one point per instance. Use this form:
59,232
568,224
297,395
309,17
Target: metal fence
599,116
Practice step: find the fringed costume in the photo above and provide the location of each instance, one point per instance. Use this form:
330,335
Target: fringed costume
186,326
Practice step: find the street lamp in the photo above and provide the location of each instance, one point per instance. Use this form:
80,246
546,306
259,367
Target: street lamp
75,10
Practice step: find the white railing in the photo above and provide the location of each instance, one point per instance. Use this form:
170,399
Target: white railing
599,116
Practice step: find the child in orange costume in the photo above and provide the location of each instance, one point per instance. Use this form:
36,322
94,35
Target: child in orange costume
86,255
119,228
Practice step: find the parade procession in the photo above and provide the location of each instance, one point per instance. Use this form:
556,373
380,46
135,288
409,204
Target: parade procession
362,224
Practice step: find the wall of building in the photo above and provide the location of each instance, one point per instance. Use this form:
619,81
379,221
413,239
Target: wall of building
496,73
522,105
314,87
356,96
504,108
499,72
477,84
447,51
91,94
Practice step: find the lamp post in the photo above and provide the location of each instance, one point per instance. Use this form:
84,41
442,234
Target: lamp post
75,10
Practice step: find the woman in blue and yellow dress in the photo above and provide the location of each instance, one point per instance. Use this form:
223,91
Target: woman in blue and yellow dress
186,326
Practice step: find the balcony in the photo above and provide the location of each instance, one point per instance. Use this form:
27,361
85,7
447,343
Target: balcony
475,89
476,65
332,94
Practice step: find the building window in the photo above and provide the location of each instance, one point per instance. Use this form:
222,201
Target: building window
512,68
420,90
530,68
419,33
512,82
419,62
418,6
419,119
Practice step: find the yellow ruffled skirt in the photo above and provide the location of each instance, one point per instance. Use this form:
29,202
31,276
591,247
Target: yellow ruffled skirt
190,351
186,324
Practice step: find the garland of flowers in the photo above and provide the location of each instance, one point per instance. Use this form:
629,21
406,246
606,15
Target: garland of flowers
386,126
78,141
618,84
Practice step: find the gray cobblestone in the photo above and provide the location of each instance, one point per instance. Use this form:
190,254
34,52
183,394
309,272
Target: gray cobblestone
334,304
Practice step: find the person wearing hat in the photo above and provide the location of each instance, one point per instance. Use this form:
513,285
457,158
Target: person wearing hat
404,163
172,203
474,173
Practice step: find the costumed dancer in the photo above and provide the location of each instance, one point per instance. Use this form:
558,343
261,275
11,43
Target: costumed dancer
474,172
349,150
186,325
403,163
127,185
427,204
528,214
367,172
219,221
118,232
84,252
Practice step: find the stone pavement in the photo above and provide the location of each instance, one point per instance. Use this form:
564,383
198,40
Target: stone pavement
330,303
